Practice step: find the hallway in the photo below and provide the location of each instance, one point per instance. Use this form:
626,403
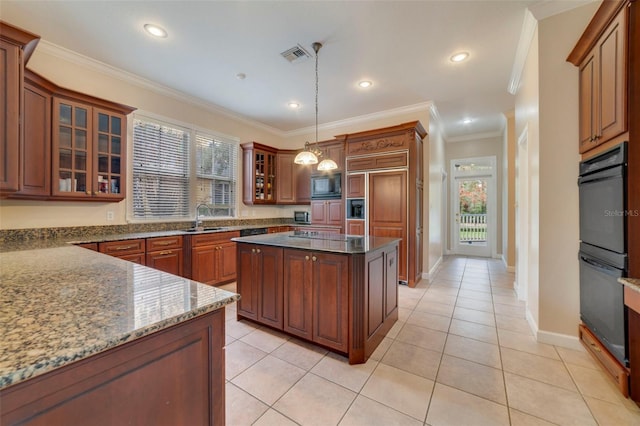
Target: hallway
461,353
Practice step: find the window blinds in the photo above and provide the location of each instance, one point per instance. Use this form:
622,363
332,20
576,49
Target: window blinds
160,170
216,165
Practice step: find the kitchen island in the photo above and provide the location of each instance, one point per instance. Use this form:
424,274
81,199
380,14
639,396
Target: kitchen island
91,339
338,291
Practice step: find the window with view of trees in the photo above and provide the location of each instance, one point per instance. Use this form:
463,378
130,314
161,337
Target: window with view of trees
170,179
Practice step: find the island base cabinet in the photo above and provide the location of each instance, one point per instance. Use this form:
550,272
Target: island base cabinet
175,376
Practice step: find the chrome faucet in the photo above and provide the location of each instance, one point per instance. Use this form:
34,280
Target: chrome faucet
198,224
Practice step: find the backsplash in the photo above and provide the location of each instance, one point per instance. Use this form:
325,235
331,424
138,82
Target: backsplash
17,235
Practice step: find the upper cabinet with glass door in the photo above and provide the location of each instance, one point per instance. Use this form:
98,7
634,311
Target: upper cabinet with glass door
89,146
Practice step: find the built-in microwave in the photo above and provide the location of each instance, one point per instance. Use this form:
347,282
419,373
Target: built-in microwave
326,185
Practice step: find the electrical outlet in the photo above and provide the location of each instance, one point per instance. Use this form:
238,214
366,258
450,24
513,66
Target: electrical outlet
110,215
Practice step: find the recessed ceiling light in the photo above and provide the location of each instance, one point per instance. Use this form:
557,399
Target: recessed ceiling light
155,30
241,76
467,120
294,105
365,83
459,57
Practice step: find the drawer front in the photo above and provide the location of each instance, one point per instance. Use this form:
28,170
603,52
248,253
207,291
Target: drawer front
118,248
213,238
632,299
164,243
378,162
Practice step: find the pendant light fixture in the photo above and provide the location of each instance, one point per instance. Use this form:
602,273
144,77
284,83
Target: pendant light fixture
310,154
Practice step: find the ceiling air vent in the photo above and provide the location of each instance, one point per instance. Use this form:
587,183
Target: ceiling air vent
296,54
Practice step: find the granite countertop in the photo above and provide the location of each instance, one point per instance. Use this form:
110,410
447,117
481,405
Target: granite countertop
320,241
632,283
59,305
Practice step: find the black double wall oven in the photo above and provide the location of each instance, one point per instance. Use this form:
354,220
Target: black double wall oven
603,249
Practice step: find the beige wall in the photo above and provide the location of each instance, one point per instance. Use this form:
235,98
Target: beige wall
559,232
508,191
547,105
436,207
477,148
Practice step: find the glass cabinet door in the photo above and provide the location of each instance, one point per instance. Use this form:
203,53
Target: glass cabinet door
270,178
72,148
109,134
265,165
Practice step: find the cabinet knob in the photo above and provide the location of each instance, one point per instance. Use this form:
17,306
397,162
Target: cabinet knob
88,192
306,258
258,250
253,250
95,192
314,258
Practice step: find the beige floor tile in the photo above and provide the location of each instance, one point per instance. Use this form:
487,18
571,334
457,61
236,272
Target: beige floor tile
434,322
473,350
435,297
382,349
240,407
395,329
477,295
407,303
422,337
508,300
265,339
272,418
517,325
228,340
610,414
480,380
478,305
577,357
239,329
482,288
501,291
449,276
483,281
435,308
403,314
301,354
474,330
415,360
451,406
402,391
268,379
522,342
443,291
509,310
548,402
480,317
595,383
537,367
315,401
445,283
365,411
519,418
336,368
239,356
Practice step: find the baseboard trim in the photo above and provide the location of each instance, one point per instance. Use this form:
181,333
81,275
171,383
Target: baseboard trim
432,271
506,266
558,339
533,325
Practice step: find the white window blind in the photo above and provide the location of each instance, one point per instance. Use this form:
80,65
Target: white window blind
160,170
216,165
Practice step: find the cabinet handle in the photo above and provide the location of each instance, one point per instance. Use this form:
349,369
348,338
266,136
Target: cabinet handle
125,247
165,243
88,192
306,258
595,347
95,192
164,253
314,258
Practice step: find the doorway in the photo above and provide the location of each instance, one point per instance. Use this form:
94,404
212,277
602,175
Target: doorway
473,196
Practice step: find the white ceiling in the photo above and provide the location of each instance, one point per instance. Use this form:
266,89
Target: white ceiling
403,47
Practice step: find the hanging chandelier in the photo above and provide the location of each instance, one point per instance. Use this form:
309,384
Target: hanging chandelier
310,154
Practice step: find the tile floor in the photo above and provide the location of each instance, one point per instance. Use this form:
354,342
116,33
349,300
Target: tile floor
461,353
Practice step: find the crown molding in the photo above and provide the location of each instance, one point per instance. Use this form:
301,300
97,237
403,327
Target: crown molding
475,137
529,26
76,58
547,8
423,106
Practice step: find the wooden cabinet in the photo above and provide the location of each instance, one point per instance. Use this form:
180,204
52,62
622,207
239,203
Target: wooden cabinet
131,250
355,227
333,150
89,146
316,292
259,174
356,187
165,254
327,212
303,184
170,377
16,47
276,229
213,258
35,149
390,160
286,177
603,86
260,284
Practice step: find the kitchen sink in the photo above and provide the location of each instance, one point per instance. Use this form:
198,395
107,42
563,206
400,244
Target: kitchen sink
214,228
